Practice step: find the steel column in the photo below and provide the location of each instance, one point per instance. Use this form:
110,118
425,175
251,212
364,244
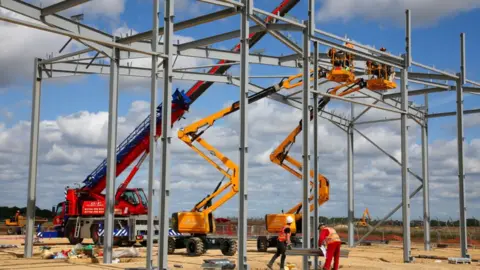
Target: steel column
153,131
350,186
315,152
166,136
243,174
460,141
404,143
32,173
111,157
425,176
306,147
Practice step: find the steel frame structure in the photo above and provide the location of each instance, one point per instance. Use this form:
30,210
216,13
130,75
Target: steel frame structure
146,44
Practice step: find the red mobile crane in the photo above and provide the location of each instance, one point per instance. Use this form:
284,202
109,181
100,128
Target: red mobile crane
81,214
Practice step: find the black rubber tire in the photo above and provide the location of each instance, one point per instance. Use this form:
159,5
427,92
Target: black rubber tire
171,245
262,244
69,232
94,234
195,246
10,230
229,247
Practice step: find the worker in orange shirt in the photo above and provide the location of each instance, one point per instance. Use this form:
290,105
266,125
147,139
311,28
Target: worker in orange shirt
330,239
282,243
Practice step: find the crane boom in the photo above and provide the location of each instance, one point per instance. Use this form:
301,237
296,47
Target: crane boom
138,141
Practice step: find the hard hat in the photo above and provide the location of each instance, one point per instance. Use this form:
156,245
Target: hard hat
321,224
349,45
289,219
18,211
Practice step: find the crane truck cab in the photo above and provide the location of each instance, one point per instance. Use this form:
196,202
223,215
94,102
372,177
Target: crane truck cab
81,216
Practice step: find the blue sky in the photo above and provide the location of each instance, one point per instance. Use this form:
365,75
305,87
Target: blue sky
435,42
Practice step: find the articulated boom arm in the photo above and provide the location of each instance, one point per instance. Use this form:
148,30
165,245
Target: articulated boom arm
193,133
190,135
281,155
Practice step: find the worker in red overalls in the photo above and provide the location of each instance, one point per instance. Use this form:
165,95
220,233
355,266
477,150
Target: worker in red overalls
282,243
330,239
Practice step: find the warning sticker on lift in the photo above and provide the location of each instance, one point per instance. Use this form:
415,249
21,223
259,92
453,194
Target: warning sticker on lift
93,208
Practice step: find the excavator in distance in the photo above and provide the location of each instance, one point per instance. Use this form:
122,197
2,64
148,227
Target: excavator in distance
363,222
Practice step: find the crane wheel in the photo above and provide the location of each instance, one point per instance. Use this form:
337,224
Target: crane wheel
171,245
10,231
262,244
96,238
229,247
70,232
195,246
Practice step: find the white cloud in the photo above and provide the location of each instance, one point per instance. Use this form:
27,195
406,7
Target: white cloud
73,145
424,12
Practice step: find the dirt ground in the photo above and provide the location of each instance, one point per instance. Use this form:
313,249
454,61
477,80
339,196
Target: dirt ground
363,257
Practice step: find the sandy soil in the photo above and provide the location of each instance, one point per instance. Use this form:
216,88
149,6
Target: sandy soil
363,257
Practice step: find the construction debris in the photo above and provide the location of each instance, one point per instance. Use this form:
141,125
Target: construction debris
459,260
218,264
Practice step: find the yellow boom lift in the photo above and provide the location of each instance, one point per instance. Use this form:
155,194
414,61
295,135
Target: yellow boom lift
341,72
197,223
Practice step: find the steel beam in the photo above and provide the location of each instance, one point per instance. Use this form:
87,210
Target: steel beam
368,48
357,102
451,76
81,69
215,39
243,151
363,112
420,91
166,136
306,147
80,37
280,18
361,55
61,6
428,76
463,61
333,118
350,184
473,83
394,210
277,35
111,158
461,165
33,162
224,3
407,257
387,154
413,112
153,132
426,182
207,18
471,89
206,53
465,112
315,146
